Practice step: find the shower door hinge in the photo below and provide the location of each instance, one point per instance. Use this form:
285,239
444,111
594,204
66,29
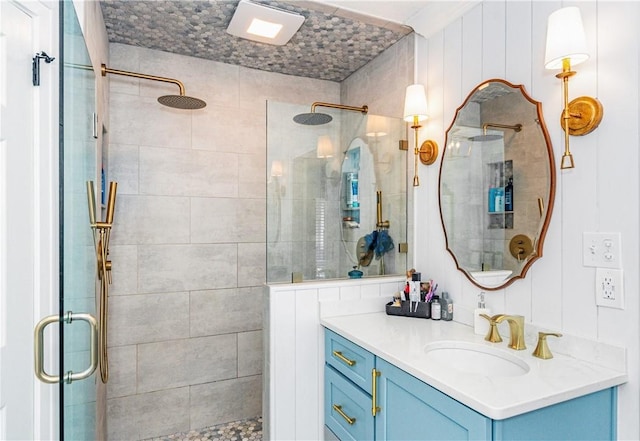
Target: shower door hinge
403,144
403,247
35,66
95,125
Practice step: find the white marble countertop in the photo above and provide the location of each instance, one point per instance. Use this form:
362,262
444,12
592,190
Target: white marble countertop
401,341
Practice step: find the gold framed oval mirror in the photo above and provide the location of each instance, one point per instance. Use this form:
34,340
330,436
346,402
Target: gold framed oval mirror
496,184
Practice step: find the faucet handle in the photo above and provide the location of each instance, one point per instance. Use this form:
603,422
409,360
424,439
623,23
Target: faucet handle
493,335
542,349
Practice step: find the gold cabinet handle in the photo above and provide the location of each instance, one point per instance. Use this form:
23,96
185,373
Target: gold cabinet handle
346,417
374,391
70,376
343,358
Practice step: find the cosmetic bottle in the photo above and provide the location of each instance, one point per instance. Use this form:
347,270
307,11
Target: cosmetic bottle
508,196
499,202
436,308
446,304
480,324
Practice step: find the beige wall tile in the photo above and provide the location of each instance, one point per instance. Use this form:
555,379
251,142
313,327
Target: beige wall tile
251,264
147,318
142,121
122,168
189,362
242,399
124,269
249,353
186,267
224,220
175,172
151,219
122,371
148,415
226,310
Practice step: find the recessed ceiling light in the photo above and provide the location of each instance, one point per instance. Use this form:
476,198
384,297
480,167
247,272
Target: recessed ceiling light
265,24
263,28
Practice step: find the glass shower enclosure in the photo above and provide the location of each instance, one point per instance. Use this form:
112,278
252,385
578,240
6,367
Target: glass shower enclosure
336,195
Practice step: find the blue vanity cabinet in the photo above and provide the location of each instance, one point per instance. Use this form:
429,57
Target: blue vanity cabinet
409,409
590,417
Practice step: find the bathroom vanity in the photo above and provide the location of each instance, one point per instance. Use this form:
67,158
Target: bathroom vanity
387,378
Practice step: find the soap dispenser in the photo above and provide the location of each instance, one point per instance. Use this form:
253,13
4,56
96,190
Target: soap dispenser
480,324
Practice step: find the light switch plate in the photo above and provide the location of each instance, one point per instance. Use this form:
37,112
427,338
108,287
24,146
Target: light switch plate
601,250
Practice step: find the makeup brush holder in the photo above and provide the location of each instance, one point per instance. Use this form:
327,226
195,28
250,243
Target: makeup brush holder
410,309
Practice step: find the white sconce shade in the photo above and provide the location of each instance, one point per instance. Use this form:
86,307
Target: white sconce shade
325,147
276,168
415,103
376,126
565,38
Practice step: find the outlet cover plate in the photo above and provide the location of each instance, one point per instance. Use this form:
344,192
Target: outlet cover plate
609,288
601,250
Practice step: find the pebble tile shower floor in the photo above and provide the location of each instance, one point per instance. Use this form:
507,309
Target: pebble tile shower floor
244,430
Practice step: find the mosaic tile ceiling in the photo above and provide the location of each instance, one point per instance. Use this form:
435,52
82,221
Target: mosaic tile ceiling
330,45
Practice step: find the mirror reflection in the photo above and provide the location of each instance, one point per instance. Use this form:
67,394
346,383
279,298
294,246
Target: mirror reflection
497,184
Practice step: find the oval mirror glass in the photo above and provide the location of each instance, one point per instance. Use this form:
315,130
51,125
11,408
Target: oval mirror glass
496,184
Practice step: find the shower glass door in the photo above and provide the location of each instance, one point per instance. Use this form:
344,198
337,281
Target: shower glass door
78,164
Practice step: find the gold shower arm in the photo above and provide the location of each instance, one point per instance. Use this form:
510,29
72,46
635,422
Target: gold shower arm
105,70
516,128
364,109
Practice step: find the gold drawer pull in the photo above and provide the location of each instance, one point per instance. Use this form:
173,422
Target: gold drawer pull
374,391
338,409
343,358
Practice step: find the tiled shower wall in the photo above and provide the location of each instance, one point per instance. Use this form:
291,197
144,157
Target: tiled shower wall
188,249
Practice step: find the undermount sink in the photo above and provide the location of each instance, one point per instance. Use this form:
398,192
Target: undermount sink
476,359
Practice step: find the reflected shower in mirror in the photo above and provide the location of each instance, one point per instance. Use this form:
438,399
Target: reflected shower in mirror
322,183
497,184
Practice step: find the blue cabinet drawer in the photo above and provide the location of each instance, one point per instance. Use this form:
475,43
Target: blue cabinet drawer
349,359
347,409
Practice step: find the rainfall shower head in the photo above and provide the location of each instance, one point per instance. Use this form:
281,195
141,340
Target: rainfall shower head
181,101
485,137
493,137
312,119
315,119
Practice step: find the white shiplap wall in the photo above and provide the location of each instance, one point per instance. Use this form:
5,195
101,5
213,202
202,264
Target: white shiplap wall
506,39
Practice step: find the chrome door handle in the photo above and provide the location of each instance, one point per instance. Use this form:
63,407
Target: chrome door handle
70,376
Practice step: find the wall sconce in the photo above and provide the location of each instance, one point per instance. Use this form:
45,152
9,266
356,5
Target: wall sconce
567,46
276,169
377,126
325,147
415,110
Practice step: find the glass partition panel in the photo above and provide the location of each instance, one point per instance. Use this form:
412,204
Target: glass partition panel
78,261
336,195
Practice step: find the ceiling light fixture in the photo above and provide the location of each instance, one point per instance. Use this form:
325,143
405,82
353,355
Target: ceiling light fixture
264,24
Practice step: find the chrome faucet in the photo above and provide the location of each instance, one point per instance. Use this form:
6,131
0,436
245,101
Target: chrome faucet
516,326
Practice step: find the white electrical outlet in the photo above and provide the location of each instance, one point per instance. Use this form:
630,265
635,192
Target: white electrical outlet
609,288
601,250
